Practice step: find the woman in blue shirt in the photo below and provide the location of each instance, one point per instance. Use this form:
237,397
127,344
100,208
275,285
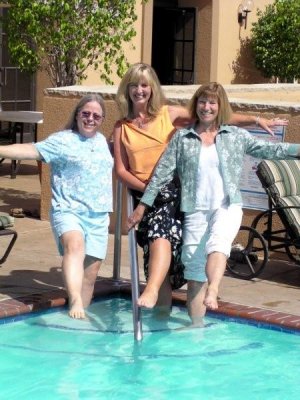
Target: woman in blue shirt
81,186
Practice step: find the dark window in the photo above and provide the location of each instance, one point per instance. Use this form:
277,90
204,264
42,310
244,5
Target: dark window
173,45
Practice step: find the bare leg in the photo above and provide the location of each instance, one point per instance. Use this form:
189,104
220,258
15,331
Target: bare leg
72,267
159,264
165,294
215,268
164,301
91,269
195,301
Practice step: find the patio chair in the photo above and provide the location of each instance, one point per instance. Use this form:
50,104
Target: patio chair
281,180
6,223
280,222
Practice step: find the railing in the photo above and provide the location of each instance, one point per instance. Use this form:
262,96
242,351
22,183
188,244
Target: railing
134,269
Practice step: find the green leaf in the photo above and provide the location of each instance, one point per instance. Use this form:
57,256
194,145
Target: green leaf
67,36
276,40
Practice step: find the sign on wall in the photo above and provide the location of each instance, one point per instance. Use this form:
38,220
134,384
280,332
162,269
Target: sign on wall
253,194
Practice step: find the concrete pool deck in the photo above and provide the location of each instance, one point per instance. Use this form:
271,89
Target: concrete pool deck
30,279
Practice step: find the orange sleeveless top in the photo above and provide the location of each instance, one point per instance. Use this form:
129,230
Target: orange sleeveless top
144,147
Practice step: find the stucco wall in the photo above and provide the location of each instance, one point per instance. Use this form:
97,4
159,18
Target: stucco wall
221,50
231,58
58,103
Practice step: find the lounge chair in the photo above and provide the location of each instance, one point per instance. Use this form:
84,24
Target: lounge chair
6,223
281,180
281,221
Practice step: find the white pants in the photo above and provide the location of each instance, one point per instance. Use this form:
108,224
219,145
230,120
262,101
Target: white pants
207,231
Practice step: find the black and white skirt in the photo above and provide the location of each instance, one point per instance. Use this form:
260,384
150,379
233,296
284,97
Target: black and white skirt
163,220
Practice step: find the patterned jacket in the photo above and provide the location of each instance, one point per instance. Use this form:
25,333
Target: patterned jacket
232,143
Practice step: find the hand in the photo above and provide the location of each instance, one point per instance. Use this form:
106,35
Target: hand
267,124
136,216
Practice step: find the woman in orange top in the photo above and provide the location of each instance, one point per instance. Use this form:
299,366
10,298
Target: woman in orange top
140,138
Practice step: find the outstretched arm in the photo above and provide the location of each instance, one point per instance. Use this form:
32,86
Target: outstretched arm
26,151
264,123
179,116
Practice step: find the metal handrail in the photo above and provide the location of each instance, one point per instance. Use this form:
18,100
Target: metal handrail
134,269
118,232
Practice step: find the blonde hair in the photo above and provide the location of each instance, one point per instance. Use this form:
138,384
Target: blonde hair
72,123
216,91
133,75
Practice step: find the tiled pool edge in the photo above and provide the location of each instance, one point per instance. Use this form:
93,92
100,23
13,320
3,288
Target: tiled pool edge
253,314
105,286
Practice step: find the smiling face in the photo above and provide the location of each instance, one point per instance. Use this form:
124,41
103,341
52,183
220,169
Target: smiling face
207,109
210,102
89,119
140,92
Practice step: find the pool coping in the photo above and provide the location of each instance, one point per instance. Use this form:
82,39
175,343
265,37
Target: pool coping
106,286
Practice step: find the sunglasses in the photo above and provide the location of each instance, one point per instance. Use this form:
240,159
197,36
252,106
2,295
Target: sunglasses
89,114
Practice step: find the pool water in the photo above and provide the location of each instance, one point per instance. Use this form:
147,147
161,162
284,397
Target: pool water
51,356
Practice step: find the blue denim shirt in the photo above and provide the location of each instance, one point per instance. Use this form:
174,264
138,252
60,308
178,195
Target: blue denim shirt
232,143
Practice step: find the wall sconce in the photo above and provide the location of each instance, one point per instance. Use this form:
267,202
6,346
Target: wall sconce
243,10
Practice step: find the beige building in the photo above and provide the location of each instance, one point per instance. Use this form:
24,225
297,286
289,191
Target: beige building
186,41
195,41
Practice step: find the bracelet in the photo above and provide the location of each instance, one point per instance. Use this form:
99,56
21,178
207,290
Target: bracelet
257,120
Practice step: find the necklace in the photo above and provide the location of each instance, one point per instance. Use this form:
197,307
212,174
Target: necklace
141,122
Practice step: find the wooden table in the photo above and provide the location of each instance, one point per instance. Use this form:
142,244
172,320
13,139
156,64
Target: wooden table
16,121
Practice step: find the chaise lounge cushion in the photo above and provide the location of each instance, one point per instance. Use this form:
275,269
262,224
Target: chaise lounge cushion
6,221
281,180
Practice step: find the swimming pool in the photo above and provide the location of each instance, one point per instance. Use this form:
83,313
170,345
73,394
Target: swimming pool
51,356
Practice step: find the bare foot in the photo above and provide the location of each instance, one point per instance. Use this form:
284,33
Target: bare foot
162,312
148,298
76,310
197,322
193,325
211,299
